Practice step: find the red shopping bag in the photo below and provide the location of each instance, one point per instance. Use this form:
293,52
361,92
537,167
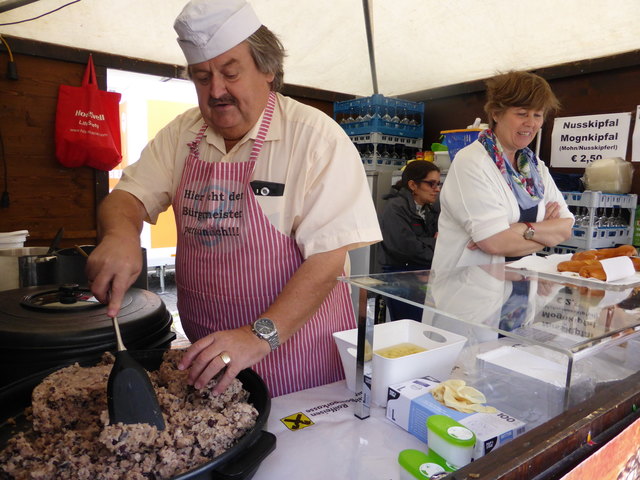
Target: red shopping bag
88,124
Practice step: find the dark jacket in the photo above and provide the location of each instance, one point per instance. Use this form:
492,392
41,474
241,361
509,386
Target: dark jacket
407,239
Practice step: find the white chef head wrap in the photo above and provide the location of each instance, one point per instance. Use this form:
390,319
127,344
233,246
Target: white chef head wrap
207,28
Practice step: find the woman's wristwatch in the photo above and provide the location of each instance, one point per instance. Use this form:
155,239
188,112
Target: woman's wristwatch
265,329
529,232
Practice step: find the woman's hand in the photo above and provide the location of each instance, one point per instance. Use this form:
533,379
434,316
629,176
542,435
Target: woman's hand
204,362
552,210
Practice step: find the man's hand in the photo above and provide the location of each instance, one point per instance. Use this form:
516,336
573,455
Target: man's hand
204,360
112,268
117,260
301,297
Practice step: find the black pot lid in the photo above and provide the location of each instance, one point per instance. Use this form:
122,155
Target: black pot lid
69,297
67,316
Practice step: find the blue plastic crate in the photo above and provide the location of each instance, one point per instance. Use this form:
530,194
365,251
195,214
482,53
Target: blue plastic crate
456,140
558,250
382,126
378,113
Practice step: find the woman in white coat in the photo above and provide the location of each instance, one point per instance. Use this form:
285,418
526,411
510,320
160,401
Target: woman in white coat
499,202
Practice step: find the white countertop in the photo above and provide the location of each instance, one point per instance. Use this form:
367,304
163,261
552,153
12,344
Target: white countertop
337,445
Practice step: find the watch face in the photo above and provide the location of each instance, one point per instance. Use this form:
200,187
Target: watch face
264,326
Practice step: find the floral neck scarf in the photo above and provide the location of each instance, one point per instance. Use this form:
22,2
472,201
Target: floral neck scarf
525,183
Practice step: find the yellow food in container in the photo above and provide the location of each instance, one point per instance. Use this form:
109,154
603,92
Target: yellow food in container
400,350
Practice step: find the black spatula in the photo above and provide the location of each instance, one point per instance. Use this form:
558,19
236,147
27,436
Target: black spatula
130,394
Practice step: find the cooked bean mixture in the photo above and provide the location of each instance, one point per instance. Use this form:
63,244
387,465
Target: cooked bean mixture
70,436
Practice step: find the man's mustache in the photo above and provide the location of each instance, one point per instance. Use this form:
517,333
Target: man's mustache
227,99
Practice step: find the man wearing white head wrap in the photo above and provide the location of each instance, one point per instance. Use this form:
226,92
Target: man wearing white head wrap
268,195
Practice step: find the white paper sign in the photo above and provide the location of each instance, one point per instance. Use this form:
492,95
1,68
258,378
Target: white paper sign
577,141
635,146
616,268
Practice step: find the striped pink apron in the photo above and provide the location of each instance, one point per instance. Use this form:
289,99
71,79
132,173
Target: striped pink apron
231,264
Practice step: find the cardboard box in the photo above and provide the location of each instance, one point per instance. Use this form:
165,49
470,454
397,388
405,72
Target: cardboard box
410,404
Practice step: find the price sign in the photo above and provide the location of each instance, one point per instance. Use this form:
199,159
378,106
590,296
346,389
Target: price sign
577,141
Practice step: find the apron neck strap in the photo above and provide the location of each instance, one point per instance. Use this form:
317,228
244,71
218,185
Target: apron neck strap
264,127
195,143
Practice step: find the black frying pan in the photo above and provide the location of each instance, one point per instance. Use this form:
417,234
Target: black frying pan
239,462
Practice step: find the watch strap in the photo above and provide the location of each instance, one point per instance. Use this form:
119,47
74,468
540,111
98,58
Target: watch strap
274,341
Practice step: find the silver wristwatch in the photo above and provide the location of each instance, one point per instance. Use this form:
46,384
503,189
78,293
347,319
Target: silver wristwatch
265,329
529,232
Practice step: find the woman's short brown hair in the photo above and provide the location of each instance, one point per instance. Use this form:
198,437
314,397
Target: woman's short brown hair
519,89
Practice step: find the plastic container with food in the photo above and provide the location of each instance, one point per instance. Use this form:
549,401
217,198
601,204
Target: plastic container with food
428,351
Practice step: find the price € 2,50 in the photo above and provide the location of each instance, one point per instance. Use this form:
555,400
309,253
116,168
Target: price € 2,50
585,158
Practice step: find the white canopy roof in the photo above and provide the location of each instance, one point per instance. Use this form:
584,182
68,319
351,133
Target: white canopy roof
419,44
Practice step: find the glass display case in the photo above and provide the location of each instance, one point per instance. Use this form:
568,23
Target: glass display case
536,344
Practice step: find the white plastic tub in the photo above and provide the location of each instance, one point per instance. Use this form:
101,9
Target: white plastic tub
13,239
437,361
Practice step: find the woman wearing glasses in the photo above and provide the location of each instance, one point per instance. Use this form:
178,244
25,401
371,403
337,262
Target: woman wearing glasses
409,224
500,202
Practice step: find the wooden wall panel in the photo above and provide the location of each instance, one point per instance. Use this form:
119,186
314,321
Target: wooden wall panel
449,113
44,195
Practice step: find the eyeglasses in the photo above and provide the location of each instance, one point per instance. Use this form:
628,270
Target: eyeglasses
432,183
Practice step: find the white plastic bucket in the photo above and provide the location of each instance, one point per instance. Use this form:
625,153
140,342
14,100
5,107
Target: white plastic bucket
13,239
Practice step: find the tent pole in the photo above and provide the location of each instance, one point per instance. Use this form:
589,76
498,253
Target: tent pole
368,22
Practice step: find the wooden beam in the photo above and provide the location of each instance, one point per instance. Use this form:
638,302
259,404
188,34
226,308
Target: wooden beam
314,93
71,54
119,62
